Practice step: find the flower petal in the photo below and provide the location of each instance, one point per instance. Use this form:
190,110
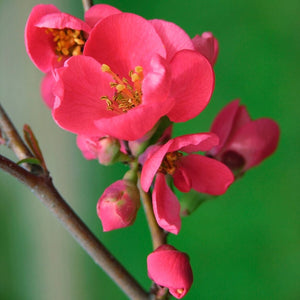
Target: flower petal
124,41
47,86
62,20
208,175
81,83
152,164
98,12
173,37
87,145
193,142
223,124
192,85
166,206
255,141
36,38
207,45
182,181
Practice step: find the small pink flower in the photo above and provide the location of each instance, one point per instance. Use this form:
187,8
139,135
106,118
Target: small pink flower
122,91
243,143
170,268
52,36
207,45
191,171
118,206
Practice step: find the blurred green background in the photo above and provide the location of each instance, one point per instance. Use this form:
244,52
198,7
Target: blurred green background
243,245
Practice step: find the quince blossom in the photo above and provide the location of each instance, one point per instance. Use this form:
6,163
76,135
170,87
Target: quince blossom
51,36
170,268
128,78
243,143
192,171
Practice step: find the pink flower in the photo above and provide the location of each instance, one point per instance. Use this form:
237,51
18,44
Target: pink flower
170,268
243,143
207,45
122,91
52,36
192,171
118,206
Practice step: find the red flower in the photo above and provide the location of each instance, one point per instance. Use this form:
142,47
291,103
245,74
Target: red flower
195,171
243,143
170,268
118,206
124,83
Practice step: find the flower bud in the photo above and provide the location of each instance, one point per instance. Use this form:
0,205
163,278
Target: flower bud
170,268
118,205
109,150
105,149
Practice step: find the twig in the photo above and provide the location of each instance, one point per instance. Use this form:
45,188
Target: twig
12,138
157,234
41,185
87,4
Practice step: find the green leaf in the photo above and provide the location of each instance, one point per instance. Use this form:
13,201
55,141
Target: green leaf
30,160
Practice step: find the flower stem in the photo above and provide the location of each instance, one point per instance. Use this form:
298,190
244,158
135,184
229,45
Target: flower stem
87,4
157,234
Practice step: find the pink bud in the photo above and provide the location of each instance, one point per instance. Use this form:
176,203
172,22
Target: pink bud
109,150
207,45
106,149
170,268
118,205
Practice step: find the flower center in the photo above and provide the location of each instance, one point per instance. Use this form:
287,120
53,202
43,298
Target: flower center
233,160
127,95
68,42
170,162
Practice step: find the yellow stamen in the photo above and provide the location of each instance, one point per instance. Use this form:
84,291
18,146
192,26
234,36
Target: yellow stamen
180,291
68,42
105,68
170,162
126,96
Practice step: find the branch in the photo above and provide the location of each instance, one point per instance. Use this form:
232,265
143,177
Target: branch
41,185
157,234
87,4
44,189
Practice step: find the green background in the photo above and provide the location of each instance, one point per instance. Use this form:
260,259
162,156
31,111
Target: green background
243,245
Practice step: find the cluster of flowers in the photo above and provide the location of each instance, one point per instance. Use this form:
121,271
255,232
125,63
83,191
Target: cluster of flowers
119,82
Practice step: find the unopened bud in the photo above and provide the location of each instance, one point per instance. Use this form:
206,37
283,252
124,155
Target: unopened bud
109,150
170,268
105,149
118,206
